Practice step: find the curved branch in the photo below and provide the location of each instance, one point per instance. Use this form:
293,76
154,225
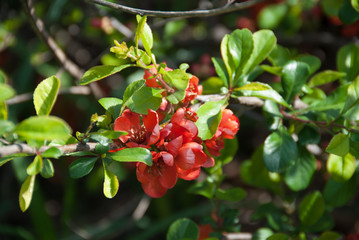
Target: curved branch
183,14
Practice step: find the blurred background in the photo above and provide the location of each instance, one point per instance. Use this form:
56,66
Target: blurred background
64,208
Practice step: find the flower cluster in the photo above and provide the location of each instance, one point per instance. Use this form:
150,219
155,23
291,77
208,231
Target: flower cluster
177,151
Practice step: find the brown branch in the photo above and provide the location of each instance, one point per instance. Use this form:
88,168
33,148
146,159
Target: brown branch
182,14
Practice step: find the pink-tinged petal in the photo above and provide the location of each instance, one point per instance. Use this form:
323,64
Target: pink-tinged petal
229,124
190,155
154,189
209,163
214,145
174,145
178,116
152,128
142,173
189,174
166,157
169,177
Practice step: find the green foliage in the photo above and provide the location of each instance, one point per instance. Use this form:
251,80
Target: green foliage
26,191
110,184
7,92
45,95
100,72
183,229
82,167
132,155
311,208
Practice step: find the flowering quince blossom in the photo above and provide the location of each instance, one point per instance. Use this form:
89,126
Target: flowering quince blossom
151,80
228,128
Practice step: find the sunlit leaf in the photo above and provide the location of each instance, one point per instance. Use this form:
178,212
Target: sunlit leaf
341,168
26,192
325,77
110,183
145,98
352,96
52,152
132,155
82,167
100,72
113,105
47,170
183,228
348,60
339,145
45,95
36,166
311,208
6,91
271,16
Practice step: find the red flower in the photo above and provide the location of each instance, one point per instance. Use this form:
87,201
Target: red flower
183,124
204,231
140,134
192,90
151,80
228,128
158,178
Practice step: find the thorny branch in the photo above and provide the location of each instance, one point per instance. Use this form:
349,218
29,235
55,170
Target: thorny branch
183,14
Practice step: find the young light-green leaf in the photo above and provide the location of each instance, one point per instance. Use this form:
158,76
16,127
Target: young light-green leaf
348,60
339,145
355,4
220,70
26,192
179,80
6,91
110,183
82,167
209,117
36,166
341,168
47,170
45,95
99,72
132,155
353,96
183,229
227,60
325,77
43,128
6,126
145,34
113,105
52,152
311,208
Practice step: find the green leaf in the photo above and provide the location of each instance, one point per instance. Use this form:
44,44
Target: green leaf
231,194
220,70
295,75
244,37
212,85
141,21
352,96
341,168
348,60
183,228
145,34
131,89
110,183
325,77
111,134
228,152
179,80
113,105
43,128
52,152
339,145
145,98
47,170
7,92
298,176
271,16
279,236
227,60
355,4
82,167
45,95
3,77
26,192
260,90
263,43
347,14
3,111
280,151
312,61
209,117
8,158
279,56
262,234
311,208
309,135
36,166
6,126
205,189
273,70
235,51
337,194
331,7
133,155
99,72
330,236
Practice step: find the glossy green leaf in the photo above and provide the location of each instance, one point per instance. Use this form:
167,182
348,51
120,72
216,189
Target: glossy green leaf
235,51
111,134
280,151
271,16
26,192
244,36
82,167
183,228
43,128
3,111
145,98
141,21
205,189
329,235
263,43
113,105
279,236
209,117
133,155
231,194
339,145
325,77
47,170
313,62
341,168
52,152
311,208
273,70
145,34
260,90
110,183
262,234
279,56
6,126
295,75
298,176
348,60
7,92
99,72
221,70
227,60
355,4
36,166
212,85
179,80
45,95
337,194
352,96
132,88
347,13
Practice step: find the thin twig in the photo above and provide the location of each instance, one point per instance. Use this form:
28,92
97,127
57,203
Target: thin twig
183,14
